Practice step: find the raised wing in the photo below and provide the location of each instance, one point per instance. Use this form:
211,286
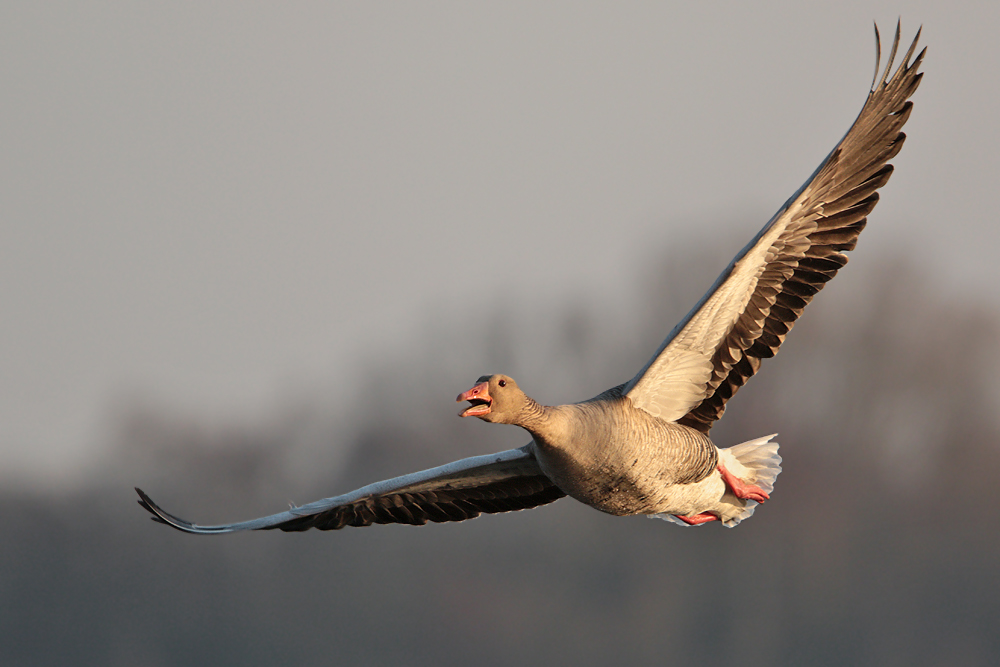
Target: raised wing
752,306
502,482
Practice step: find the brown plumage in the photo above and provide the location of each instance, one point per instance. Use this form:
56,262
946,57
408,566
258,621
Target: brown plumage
643,447
830,210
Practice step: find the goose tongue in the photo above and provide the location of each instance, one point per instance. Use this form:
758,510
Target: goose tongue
479,396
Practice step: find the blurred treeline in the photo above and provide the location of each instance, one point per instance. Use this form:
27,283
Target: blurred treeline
880,546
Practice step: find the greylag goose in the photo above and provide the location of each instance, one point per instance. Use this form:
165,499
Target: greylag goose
643,447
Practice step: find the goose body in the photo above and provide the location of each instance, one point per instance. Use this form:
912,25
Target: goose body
617,458
643,447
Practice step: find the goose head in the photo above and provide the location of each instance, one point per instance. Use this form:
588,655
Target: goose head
495,398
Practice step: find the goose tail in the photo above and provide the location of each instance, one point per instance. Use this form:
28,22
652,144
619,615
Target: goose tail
755,461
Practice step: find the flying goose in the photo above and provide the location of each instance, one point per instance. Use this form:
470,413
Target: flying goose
643,447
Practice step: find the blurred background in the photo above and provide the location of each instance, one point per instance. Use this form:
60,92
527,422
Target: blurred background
249,253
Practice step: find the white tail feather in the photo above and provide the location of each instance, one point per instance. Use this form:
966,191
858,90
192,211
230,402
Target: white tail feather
761,457
758,462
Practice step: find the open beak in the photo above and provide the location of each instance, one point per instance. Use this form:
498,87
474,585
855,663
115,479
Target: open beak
479,396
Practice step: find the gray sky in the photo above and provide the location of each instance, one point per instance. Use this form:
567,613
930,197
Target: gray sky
206,204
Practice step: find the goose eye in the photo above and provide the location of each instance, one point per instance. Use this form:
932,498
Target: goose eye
502,383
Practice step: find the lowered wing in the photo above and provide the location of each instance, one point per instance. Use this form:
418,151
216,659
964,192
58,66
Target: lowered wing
502,482
752,306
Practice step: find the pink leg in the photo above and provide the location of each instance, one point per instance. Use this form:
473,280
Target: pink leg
741,489
696,519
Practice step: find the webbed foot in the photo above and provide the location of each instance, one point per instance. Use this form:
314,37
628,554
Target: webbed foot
741,489
697,519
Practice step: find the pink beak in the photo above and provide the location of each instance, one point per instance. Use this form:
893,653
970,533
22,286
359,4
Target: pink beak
479,396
